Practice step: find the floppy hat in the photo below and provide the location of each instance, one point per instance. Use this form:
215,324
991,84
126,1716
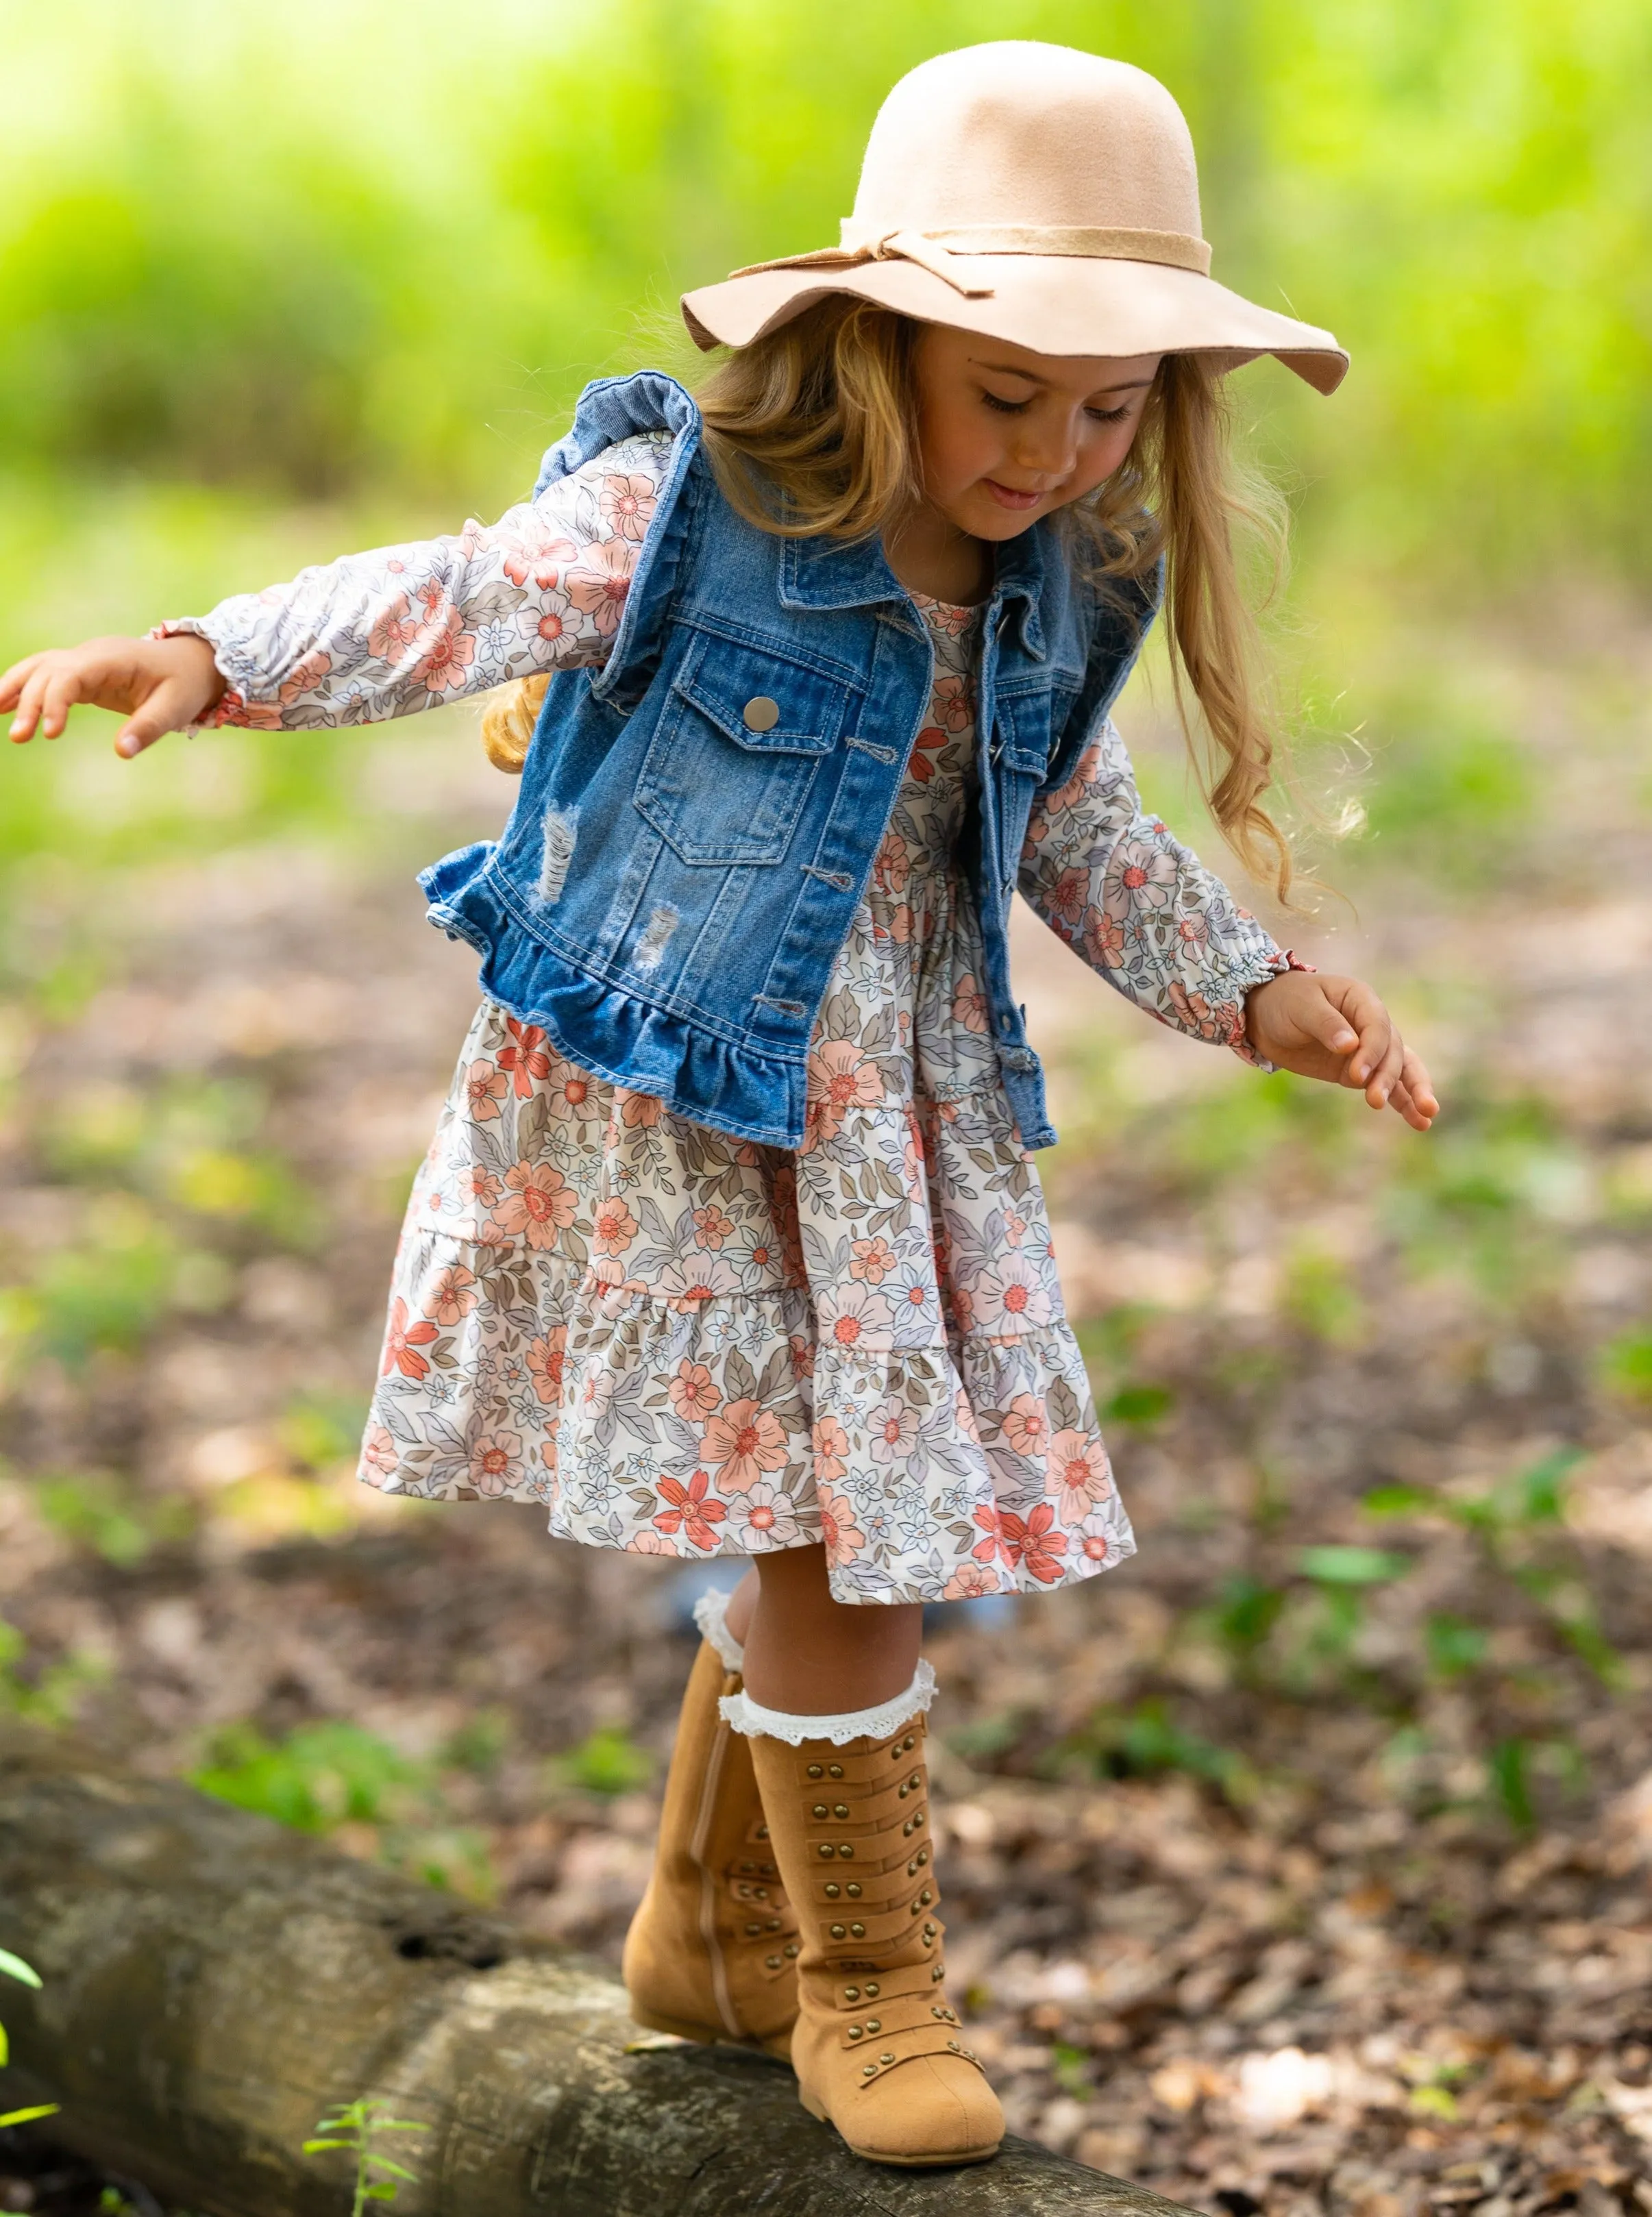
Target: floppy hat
1033,194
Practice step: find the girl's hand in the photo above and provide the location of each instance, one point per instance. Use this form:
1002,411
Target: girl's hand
1336,1028
157,684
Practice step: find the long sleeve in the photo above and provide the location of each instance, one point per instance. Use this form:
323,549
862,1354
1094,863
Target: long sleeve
403,628
1141,908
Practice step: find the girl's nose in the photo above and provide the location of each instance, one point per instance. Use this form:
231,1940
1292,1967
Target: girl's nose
1050,450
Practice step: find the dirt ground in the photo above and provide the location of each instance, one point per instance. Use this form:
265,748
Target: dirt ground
1298,1865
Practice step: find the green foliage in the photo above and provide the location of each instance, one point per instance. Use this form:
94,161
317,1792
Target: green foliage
607,1762
12,1966
51,1697
100,1512
1626,1366
353,2127
1142,1742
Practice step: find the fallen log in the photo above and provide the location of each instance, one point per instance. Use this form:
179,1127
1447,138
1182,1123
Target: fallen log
214,1983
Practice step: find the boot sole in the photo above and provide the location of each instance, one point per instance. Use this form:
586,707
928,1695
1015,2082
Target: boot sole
779,2044
954,2158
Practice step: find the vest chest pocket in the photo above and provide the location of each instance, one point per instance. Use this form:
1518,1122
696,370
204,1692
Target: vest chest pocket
737,745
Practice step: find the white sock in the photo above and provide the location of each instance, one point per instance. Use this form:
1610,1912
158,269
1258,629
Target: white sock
750,1717
709,1612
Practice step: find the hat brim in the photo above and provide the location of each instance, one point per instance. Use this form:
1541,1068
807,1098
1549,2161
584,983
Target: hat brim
1054,304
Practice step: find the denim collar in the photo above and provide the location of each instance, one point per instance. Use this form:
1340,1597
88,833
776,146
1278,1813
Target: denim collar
836,573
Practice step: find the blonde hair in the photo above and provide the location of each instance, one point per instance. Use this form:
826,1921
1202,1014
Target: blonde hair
811,432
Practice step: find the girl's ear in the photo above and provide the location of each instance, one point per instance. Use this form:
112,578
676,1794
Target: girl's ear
508,722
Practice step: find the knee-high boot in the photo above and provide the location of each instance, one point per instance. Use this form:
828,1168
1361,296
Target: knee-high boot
878,2046
712,1951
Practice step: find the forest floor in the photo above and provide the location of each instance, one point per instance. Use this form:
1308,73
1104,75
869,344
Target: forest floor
1298,1865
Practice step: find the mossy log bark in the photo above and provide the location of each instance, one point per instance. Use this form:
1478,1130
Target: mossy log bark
213,1983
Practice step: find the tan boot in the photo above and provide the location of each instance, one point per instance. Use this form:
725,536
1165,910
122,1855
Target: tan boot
878,2048
712,1951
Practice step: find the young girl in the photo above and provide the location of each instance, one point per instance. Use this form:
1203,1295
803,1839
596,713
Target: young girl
728,1243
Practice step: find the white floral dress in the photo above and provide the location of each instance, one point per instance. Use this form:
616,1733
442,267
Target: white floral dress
688,1345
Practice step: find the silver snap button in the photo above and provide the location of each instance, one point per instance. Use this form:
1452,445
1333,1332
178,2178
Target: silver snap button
760,714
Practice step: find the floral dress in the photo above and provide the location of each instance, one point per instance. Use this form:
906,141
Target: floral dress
688,1345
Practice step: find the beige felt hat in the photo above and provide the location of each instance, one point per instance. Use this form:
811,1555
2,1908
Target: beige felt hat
1033,194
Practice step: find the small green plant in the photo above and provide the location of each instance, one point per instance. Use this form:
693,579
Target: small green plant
607,1763
54,1696
353,2127
1142,1742
26,1975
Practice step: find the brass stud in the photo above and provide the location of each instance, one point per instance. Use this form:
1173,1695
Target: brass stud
918,1818
814,1771
763,1832
748,1867
854,1889
906,1743
929,1939
790,1948
923,1856
937,2011
917,1909
832,1890
772,1924
926,1897
859,1931
896,1751
845,1848
939,1971
834,1770
851,1993
872,1990
856,2032
826,1847
759,1893
887,2056
902,1795
869,2070
915,1781
821,1809
772,1961
838,1932
953,2046
841,1809
874,2024
912,1870
906,1830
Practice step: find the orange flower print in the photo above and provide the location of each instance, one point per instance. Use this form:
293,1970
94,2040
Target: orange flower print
764,1517
688,1508
613,1226
536,555
1069,896
893,866
844,1538
496,1462
393,630
840,1078
854,1317
1142,872
871,1260
1035,1543
479,1183
627,504
970,1004
306,676
599,581
744,1442
831,1451
402,1342
949,705
1077,1475
964,1417
1193,934
525,1059
537,1204
485,1086
649,1543
970,1581
568,1095
546,1359
449,650
802,1355
638,1112
1026,1425
693,1393
379,1451
452,1295
712,1228
554,625
990,1548
925,748
1070,794
1103,940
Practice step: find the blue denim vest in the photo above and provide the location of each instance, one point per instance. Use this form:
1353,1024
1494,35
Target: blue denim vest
699,818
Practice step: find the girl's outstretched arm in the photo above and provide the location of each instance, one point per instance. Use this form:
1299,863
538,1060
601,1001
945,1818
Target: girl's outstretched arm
1145,913
380,634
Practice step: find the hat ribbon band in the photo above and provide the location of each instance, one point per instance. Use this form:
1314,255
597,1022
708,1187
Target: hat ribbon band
937,250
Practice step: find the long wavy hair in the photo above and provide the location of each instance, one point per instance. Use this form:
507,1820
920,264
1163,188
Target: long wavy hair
813,432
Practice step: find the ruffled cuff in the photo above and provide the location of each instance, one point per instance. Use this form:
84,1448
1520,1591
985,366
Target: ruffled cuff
1273,965
745,1715
709,1612
235,707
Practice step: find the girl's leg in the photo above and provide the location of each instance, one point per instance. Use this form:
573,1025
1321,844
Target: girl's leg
810,1655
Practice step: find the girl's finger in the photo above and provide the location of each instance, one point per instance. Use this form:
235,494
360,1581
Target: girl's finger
1324,1022
1402,1104
1417,1084
11,684
1371,1020
29,707
62,691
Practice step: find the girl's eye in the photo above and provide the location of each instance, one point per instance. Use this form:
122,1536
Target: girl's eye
1109,415
1004,407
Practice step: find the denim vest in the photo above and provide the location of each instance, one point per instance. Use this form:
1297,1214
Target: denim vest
699,818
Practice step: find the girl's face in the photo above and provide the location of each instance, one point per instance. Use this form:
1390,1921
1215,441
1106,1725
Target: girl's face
1007,436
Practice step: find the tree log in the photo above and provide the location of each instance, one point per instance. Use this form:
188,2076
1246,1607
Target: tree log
214,1983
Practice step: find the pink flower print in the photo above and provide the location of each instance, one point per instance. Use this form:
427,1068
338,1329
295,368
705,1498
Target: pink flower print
496,1462
893,865
452,1294
546,1360
948,704
688,1508
402,1342
990,1548
595,1391
480,1184
526,1059
379,1451
855,1317
743,1443
554,625
449,652
393,630
901,924
627,504
697,1277
1103,940
831,1451
693,1393
1013,1294
535,554
1026,1425
924,749
537,1203
871,1260
763,1518
844,1538
1195,1014
1069,795
307,675
803,1355
568,1095
1069,896
893,1430
1095,1542
1193,934
485,1086
638,1112
599,581
840,1078
712,1228
970,1581
1077,1475
1141,875
964,1417
613,1226
1035,1543
970,1004
913,1162
649,1543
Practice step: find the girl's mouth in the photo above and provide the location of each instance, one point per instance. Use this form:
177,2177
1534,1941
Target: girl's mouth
1011,496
